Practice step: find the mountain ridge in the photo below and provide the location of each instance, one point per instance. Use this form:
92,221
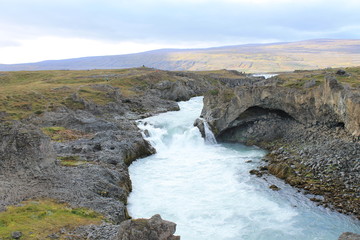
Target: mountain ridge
255,58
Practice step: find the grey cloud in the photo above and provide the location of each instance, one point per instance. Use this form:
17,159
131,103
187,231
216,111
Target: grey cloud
169,22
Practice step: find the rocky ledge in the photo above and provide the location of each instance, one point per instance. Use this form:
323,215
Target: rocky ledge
311,130
78,153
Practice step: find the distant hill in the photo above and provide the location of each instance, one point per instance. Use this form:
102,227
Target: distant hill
255,58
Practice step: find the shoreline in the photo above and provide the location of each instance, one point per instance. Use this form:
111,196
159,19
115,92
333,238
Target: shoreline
310,129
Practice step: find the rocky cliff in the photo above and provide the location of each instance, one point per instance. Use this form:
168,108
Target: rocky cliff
310,127
330,103
78,151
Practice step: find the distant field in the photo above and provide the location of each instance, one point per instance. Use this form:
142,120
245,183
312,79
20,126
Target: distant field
255,58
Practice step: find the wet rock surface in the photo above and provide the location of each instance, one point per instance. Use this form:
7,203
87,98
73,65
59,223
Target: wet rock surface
349,236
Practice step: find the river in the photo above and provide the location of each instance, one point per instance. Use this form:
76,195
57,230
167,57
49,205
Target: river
206,189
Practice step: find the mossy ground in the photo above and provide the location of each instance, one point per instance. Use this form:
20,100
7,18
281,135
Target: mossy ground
61,134
32,92
297,79
40,218
25,93
71,161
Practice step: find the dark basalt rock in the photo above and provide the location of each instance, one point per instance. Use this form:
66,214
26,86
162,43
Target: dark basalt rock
16,235
349,236
311,133
199,123
342,72
31,164
274,188
24,149
147,229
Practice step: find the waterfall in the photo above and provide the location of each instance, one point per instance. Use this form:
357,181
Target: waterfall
206,189
209,136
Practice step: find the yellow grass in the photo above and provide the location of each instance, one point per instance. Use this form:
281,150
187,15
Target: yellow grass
40,218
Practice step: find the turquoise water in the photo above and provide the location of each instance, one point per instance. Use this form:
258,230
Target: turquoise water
208,191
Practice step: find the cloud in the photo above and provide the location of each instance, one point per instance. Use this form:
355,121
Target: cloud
173,19
52,48
175,22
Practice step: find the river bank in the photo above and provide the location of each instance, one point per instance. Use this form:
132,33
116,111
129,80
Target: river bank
75,146
71,135
310,128
206,188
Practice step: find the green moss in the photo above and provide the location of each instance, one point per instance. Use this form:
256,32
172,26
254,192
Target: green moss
297,79
70,103
53,132
61,134
214,92
38,219
71,161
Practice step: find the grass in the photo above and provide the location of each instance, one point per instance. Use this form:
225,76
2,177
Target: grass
71,161
61,134
270,58
26,93
299,78
99,97
40,218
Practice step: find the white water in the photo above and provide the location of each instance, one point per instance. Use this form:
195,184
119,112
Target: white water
209,136
265,75
208,191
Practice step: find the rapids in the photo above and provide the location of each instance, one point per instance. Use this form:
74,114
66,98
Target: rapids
207,189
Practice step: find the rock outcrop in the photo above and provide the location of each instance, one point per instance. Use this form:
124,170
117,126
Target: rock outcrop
330,103
147,229
90,169
24,149
311,131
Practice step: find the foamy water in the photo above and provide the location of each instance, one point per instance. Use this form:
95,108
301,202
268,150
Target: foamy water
207,189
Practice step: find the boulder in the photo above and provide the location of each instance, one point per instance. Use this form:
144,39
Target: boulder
147,229
24,149
349,236
199,123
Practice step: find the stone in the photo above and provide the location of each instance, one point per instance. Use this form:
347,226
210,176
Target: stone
310,84
255,172
16,235
274,187
349,236
24,148
53,236
341,72
199,123
146,133
154,228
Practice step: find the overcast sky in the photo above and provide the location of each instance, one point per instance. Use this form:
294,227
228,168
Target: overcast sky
35,30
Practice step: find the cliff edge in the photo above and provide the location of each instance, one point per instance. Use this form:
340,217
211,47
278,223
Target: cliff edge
308,120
